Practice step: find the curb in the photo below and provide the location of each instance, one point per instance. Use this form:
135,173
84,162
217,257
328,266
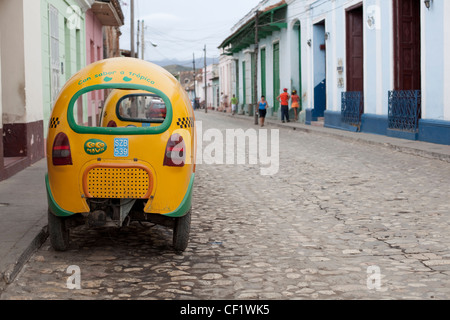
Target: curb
24,220
12,268
417,148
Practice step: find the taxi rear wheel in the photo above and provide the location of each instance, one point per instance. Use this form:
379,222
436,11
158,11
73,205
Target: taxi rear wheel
181,232
58,232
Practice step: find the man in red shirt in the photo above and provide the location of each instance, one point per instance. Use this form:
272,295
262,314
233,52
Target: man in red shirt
284,101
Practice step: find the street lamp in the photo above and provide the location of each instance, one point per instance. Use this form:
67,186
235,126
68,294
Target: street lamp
144,42
427,4
153,44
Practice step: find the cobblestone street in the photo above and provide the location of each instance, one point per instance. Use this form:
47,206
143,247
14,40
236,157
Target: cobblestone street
340,220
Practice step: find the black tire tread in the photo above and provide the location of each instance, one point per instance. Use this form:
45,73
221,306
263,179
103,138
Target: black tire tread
181,232
58,232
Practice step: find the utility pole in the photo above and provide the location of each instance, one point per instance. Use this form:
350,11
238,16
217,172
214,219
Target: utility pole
138,37
206,86
195,91
255,82
143,41
133,50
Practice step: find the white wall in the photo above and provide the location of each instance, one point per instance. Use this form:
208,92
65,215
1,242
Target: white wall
21,61
13,70
435,65
378,56
33,61
446,40
248,75
225,76
432,60
1,109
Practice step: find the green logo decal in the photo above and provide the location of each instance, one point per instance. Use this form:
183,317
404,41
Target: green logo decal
95,146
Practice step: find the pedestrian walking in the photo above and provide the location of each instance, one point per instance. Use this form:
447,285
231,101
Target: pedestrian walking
284,101
234,103
295,103
225,103
222,102
263,106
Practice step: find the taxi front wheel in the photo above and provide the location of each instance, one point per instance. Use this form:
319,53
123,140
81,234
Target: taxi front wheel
181,232
58,232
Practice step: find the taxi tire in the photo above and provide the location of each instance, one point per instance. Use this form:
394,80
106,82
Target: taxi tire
58,232
181,232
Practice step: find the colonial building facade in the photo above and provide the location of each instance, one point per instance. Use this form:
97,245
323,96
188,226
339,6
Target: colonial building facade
72,37
21,97
102,21
42,44
371,66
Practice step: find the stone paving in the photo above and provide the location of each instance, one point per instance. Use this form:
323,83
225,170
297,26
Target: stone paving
340,220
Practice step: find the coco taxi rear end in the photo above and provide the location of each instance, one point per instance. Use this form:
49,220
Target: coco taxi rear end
103,176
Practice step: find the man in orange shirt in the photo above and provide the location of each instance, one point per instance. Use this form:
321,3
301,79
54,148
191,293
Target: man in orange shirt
284,101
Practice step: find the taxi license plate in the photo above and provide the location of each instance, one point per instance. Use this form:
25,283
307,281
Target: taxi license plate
121,147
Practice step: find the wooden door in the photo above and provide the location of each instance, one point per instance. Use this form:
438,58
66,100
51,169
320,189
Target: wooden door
355,50
407,45
276,76
263,71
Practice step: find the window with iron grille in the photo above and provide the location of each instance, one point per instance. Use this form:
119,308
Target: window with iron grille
405,110
352,107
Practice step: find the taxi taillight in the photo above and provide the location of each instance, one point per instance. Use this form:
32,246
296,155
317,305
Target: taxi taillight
61,154
175,152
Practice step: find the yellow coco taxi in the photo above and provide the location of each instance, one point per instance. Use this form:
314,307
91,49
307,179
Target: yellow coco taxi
140,170
133,108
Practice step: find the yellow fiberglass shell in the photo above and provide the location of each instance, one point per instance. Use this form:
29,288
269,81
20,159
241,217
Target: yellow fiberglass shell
95,149
112,108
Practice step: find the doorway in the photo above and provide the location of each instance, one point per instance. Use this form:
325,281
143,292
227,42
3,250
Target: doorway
407,43
320,72
405,102
297,60
276,77
263,71
355,49
352,100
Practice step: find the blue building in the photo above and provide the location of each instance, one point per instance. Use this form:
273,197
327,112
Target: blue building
385,67
374,66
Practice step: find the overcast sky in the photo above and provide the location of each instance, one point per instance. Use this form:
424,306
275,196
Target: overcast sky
183,27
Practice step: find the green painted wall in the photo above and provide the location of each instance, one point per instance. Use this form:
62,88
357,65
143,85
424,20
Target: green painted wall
72,48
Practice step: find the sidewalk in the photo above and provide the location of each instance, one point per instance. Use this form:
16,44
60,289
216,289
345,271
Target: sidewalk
23,214
419,148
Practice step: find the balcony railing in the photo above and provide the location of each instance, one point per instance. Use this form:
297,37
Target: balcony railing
404,110
352,108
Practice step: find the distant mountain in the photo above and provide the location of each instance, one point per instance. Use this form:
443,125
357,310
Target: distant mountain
176,68
199,62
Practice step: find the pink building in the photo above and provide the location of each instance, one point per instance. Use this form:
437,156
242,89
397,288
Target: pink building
94,52
104,18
